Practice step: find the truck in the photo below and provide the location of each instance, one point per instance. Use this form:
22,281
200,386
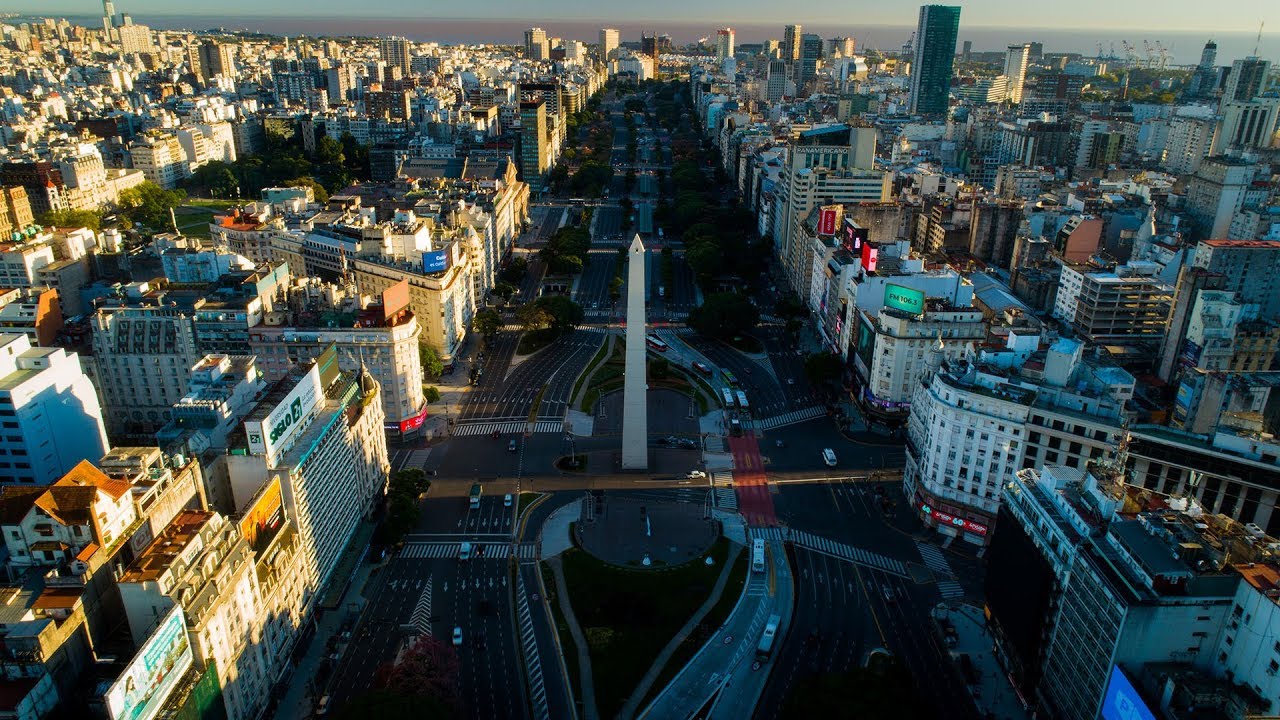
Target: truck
475,495
757,555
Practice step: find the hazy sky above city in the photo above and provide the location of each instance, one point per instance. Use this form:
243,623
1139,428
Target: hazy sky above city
1233,15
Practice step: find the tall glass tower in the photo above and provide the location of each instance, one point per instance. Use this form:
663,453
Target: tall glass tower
935,52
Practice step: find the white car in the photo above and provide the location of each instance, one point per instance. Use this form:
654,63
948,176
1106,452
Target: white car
506,500
457,636
464,551
829,457
695,475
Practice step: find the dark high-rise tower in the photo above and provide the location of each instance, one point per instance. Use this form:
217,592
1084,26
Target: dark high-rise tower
935,51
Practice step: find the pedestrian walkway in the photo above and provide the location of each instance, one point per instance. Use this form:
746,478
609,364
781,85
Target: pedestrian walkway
532,659
508,427
554,535
950,589
421,618
411,459
791,418
726,498
834,549
934,559
526,551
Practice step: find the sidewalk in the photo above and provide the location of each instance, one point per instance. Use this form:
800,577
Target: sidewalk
992,692
453,387
300,698
585,680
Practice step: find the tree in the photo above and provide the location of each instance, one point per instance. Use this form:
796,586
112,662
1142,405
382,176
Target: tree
823,367
431,393
724,315
615,288
403,490
329,151
564,313
71,219
488,322
322,195
430,359
216,177
503,290
533,317
149,204
428,668
659,368
515,271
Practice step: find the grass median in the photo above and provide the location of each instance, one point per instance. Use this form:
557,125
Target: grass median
628,616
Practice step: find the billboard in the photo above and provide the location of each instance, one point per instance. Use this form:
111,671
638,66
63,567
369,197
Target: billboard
264,516
284,420
853,237
435,261
1122,701
955,522
409,424
905,299
869,256
160,663
327,362
395,299
827,220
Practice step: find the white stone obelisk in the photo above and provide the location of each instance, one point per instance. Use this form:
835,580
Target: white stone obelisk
635,406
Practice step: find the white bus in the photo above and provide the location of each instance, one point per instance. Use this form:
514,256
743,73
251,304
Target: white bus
757,555
765,648
742,399
727,395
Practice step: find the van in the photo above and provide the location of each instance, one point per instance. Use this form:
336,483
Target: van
464,552
757,555
322,707
829,457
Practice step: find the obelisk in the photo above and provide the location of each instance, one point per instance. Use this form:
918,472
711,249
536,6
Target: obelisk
635,407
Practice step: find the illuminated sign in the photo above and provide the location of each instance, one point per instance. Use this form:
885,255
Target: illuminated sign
854,236
869,256
150,677
953,521
284,421
827,218
435,261
904,299
409,424
265,516
1122,701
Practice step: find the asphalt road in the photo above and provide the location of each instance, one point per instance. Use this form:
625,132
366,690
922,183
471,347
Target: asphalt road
763,391
593,286
503,395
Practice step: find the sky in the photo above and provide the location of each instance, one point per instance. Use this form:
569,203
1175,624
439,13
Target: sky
1233,15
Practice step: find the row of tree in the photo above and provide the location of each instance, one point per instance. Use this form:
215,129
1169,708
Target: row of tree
566,252
147,204
334,165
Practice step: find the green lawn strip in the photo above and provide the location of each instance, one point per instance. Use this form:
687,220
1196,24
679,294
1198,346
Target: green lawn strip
591,367
570,650
628,615
710,623
537,403
524,499
534,340
213,203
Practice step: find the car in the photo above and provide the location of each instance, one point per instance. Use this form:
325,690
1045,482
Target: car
689,443
791,381
889,595
464,551
506,500
780,443
695,475
511,446
829,457
457,636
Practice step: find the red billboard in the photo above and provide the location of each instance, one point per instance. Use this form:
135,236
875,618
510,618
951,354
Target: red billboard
949,519
827,220
869,257
410,424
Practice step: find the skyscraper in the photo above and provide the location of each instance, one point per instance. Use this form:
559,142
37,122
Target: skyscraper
724,44
791,43
1205,81
1247,78
536,46
810,55
108,15
1015,68
935,50
535,154
608,43
394,51
776,84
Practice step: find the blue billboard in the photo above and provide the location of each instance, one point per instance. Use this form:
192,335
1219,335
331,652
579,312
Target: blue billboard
435,261
1122,701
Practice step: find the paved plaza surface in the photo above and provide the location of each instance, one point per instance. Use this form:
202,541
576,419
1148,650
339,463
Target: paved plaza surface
632,528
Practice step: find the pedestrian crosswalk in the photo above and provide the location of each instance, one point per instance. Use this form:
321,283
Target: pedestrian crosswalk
533,660
499,551
726,498
934,559
950,589
840,550
508,427
421,617
791,418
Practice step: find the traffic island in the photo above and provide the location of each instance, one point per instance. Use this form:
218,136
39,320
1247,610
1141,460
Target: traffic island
629,614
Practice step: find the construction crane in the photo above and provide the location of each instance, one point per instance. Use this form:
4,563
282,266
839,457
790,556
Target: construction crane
1151,55
1130,55
1099,51
1164,55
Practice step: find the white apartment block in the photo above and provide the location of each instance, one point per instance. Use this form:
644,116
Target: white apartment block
142,358
161,158
50,419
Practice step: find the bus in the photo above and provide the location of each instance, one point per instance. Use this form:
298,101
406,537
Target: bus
757,555
727,396
729,378
655,343
742,399
765,648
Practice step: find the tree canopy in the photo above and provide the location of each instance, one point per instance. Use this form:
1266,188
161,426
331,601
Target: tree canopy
724,315
71,218
149,204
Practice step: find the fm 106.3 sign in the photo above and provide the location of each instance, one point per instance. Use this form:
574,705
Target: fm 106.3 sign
285,419
904,299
